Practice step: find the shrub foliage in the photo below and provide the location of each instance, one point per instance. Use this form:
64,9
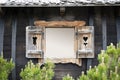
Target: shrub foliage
108,67
34,72
5,68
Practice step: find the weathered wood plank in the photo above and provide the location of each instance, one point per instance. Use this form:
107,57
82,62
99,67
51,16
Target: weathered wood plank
118,24
7,35
1,34
91,23
22,22
13,51
97,33
118,28
59,23
104,32
111,26
98,30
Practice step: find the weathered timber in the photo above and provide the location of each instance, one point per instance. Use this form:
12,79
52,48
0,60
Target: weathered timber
104,31
91,23
1,34
118,24
111,26
118,28
59,23
13,42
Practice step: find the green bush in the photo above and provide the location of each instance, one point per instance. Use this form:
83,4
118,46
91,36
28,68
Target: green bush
108,67
5,68
83,77
34,72
67,77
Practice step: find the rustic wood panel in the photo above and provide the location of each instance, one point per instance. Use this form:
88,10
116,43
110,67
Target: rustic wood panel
59,23
7,35
118,23
91,23
104,29
20,40
118,28
13,52
97,33
111,26
1,34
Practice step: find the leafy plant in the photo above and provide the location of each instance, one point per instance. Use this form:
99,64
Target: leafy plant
34,72
108,67
67,77
83,77
5,68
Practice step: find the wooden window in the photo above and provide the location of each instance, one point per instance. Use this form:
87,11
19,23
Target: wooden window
61,41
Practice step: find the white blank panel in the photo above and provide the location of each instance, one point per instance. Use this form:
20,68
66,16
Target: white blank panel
59,43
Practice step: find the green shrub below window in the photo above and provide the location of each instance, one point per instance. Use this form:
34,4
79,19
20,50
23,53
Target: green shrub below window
34,72
5,68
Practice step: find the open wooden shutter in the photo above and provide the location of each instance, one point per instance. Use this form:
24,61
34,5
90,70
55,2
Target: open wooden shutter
85,38
34,39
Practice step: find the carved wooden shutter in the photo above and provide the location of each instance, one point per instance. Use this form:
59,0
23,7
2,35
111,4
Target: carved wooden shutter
34,40
85,42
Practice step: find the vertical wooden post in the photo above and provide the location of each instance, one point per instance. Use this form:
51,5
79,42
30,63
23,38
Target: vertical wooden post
1,34
13,51
118,25
118,28
30,13
89,61
104,31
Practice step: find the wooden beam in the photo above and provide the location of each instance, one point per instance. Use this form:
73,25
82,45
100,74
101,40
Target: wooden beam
59,23
1,34
13,52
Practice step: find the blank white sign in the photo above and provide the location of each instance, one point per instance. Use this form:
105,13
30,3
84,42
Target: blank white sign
59,43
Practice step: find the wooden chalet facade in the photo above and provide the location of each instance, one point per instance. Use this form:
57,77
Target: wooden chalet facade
14,20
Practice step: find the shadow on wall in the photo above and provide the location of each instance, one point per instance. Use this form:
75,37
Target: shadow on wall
62,69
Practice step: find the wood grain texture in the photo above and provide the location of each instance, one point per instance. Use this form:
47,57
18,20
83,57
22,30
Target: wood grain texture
13,42
1,34
59,23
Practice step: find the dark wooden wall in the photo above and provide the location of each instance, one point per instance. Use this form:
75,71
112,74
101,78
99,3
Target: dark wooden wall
13,22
